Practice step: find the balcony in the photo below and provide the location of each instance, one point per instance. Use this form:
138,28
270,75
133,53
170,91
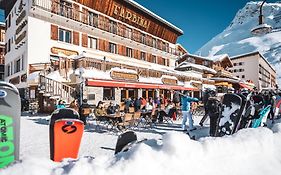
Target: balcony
101,22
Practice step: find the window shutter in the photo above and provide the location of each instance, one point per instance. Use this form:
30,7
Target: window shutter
76,38
84,40
54,32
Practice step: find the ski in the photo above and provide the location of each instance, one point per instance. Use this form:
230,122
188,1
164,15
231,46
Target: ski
9,124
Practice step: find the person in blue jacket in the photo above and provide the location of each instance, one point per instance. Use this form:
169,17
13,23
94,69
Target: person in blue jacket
186,101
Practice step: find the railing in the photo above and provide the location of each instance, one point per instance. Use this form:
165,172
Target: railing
55,88
101,22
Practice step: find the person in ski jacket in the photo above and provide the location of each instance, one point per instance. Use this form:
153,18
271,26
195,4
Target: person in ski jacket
185,101
127,103
214,106
74,105
100,112
176,98
137,104
60,105
84,110
112,108
207,94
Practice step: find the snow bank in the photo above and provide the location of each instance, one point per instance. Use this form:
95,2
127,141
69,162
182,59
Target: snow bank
250,151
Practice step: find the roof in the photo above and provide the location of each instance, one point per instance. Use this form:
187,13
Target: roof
198,66
251,54
145,10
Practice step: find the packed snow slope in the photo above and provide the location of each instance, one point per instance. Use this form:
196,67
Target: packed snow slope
237,39
250,151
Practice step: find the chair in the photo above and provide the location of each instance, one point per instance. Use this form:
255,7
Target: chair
128,121
131,110
137,119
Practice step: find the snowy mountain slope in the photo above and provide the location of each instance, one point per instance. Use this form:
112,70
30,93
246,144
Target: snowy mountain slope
237,39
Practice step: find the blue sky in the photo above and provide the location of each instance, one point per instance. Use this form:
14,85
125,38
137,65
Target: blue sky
200,20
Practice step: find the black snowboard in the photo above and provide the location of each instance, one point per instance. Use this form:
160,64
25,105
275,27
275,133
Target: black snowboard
229,115
65,113
124,141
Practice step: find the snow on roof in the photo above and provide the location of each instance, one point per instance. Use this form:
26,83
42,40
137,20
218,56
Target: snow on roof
218,57
145,10
56,76
33,78
94,73
201,67
225,79
151,80
117,69
169,77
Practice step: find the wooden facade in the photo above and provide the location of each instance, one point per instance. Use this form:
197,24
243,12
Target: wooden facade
132,15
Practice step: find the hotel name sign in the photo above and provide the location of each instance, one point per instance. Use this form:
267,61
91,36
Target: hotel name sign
56,50
124,76
124,13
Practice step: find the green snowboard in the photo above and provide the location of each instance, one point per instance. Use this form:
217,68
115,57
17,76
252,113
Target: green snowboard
9,124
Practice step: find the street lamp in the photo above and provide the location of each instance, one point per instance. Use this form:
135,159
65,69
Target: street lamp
82,83
262,28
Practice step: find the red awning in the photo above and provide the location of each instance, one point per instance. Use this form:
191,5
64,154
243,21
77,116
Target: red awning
138,85
246,86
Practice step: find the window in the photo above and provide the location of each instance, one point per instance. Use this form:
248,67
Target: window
129,52
92,43
93,19
128,33
191,60
17,66
64,35
241,70
243,76
112,27
154,42
206,63
234,64
108,93
143,38
143,56
241,63
2,36
112,48
91,96
9,70
237,76
65,8
234,70
153,59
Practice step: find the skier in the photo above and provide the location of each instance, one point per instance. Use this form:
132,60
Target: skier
208,93
186,100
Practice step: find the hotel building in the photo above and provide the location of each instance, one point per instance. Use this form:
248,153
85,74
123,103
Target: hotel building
2,50
255,68
120,48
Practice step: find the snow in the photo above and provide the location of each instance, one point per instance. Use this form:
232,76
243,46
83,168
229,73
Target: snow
94,73
33,78
55,75
237,38
250,151
169,77
198,66
129,71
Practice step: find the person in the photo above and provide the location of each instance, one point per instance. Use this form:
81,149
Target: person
74,105
176,98
84,110
127,103
137,104
207,94
112,108
213,106
100,112
143,101
60,105
185,101
168,111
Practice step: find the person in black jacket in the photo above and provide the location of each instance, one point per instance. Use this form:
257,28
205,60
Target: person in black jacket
207,94
83,110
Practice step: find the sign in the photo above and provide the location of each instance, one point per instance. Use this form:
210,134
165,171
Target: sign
56,50
124,76
169,81
123,13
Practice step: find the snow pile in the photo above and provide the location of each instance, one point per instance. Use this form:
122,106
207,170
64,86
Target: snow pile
250,151
238,35
94,73
55,75
128,71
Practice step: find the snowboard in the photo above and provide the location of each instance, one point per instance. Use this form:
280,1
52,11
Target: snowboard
65,134
262,117
125,141
229,115
245,110
277,109
10,113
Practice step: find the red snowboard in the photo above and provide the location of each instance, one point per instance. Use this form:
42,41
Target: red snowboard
67,138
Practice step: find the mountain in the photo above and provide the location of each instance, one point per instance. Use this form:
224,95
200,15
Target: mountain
237,38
